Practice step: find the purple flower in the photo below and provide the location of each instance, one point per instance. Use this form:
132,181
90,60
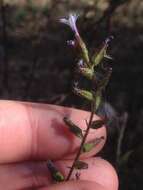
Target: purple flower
71,22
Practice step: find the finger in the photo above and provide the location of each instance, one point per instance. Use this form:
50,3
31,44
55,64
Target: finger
75,185
24,176
35,174
99,171
37,131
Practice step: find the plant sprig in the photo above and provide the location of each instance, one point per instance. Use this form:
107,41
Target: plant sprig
88,66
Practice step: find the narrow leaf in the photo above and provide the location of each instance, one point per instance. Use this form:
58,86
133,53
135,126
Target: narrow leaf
79,165
55,174
87,147
84,93
97,124
73,128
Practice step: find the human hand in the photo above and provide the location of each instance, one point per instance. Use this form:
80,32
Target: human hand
31,133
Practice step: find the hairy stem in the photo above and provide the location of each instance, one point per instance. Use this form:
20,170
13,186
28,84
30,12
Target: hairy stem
83,140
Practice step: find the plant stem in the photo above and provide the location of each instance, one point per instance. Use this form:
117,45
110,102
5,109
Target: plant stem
83,140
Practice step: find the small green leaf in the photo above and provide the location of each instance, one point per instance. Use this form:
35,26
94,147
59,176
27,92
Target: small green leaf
87,147
84,93
73,128
97,124
55,174
79,165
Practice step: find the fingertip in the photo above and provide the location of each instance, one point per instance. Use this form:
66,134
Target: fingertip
75,185
102,172
109,175
99,171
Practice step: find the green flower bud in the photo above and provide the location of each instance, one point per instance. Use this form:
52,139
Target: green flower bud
97,58
84,50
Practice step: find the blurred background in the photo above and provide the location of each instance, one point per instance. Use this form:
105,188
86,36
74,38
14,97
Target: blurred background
37,65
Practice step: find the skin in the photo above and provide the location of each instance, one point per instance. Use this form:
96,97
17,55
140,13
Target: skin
32,133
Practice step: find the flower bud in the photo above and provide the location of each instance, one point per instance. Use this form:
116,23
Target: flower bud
71,22
97,58
84,50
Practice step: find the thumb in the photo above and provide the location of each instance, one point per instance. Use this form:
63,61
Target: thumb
75,185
